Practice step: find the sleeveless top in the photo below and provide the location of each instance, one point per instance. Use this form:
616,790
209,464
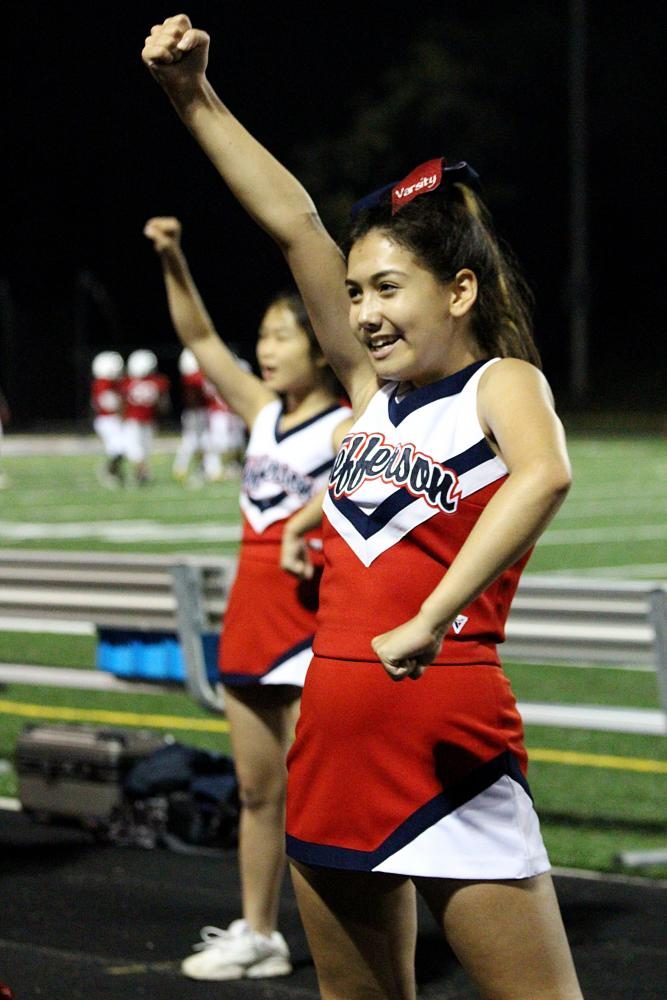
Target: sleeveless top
283,470
407,486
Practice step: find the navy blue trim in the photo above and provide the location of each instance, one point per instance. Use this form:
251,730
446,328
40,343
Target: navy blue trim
292,651
240,680
281,435
263,505
426,816
473,456
244,680
368,525
451,385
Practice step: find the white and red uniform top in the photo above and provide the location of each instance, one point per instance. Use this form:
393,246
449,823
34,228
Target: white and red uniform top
283,470
106,397
409,482
143,396
270,617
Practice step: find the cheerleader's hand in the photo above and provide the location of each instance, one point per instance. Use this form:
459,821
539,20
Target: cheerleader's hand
177,54
406,651
164,231
295,556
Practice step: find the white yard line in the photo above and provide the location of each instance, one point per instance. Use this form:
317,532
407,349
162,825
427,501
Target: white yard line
649,571
70,444
120,531
623,506
607,494
153,531
610,534
224,506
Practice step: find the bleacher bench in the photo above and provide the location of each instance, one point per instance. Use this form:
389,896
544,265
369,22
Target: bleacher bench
592,622
145,604
554,619
123,590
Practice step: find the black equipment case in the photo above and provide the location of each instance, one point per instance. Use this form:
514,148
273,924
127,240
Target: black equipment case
76,772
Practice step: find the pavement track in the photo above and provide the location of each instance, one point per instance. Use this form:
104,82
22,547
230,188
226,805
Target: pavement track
88,921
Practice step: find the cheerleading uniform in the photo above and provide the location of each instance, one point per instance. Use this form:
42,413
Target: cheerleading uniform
270,618
427,777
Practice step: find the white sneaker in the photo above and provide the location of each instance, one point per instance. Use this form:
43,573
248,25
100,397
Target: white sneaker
238,953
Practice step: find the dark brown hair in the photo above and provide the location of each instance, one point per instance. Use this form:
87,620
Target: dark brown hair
452,229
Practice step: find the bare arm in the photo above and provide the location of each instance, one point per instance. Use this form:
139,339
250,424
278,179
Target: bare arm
245,393
294,549
516,410
177,56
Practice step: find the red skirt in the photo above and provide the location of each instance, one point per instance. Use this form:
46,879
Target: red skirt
423,777
269,622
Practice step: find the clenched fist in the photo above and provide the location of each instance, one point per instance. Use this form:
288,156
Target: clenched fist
164,231
407,651
176,53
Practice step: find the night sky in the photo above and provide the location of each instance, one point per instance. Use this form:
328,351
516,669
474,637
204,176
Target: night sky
92,149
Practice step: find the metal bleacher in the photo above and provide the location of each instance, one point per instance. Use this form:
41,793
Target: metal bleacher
554,619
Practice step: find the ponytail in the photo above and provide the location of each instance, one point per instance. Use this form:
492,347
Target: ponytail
503,314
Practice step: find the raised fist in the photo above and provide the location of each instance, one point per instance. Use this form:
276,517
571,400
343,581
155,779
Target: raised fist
164,231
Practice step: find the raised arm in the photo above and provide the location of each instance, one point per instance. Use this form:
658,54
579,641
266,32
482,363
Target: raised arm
245,393
177,56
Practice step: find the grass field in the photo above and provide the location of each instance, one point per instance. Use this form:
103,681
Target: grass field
597,793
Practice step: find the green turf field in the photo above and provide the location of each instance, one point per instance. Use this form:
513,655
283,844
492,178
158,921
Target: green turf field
597,793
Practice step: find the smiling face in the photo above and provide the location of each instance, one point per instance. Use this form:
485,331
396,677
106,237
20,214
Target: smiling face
415,327
284,352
